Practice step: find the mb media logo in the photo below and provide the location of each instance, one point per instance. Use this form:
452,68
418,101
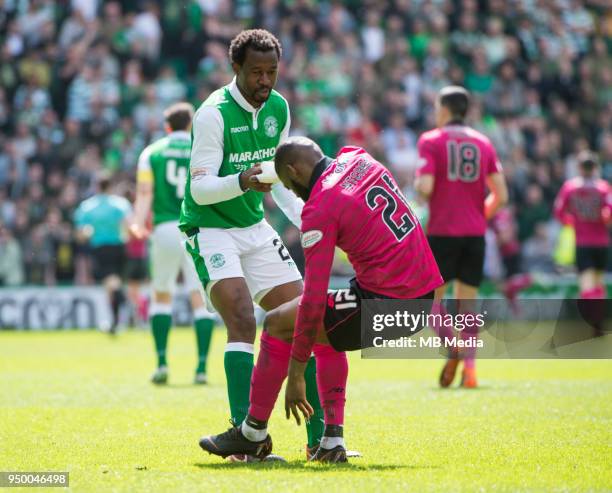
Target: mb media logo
217,260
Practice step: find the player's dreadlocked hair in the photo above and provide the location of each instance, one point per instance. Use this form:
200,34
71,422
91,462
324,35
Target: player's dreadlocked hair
256,39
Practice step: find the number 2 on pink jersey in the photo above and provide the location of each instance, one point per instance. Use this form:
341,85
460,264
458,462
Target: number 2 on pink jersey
390,198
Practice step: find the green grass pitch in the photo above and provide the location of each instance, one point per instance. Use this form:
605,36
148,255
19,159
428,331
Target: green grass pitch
82,402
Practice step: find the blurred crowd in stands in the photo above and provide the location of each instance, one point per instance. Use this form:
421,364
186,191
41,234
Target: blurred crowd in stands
83,85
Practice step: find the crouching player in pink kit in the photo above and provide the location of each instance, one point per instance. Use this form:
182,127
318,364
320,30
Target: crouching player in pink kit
586,203
458,164
352,202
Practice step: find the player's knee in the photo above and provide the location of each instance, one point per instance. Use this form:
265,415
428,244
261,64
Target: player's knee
273,325
162,297
196,300
241,326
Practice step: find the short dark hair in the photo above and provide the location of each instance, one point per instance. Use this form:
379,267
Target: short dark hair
256,39
104,182
456,99
294,148
588,161
178,116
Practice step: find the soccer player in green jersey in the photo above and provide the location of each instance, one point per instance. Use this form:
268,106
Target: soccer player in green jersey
238,256
161,180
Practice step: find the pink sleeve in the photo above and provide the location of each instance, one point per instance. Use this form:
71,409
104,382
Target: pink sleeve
319,232
560,207
494,164
427,158
607,208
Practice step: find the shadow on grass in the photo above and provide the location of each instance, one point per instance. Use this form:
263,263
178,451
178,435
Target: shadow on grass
458,388
307,466
186,385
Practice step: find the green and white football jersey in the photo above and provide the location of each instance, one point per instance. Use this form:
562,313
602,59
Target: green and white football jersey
165,163
248,137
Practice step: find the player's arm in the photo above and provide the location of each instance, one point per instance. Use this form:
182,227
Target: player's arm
83,230
144,196
288,203
84,233
319,257
319,241
496,182
127,213
560,209
285,199
425,174
498,194
207,187
424,185
606,211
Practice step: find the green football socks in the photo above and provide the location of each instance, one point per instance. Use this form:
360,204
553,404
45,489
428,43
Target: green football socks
316,424
203,324
161,320
238,362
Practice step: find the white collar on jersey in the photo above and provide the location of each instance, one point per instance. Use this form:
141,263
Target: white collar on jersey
180,134
243,103
239,98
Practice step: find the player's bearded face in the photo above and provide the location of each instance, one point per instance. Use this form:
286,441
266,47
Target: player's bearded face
300,190
257,75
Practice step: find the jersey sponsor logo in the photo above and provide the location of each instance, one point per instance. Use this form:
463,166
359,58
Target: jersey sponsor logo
237,130
271,126
360,168
340,167
341,163
217,260
258,155
312,237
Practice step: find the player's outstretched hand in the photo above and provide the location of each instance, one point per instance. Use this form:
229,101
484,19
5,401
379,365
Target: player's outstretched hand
295,398
248,180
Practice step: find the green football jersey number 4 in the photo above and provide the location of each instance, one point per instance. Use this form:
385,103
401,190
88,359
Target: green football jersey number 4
169,159
177,177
